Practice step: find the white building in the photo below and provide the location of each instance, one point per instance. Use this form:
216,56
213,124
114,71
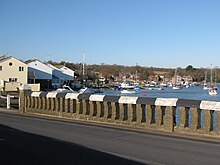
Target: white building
61,75
48,75
57,76
68,73
38,72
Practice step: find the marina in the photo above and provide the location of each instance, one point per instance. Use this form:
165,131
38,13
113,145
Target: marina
192,93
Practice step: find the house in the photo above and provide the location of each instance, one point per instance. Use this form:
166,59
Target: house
38,72
167,79
12,71
176,79
188,79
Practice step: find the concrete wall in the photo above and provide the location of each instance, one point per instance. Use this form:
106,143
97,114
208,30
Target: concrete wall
163,114
35,87
12,86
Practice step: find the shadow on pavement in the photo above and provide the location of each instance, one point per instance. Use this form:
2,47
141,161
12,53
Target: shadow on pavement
21,148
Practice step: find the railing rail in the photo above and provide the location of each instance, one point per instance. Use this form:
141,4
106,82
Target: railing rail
165,114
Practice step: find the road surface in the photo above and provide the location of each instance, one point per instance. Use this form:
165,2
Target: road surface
31,140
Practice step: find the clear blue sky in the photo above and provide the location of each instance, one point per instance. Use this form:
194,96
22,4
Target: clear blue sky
158,33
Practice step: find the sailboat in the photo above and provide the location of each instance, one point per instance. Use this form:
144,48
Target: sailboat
212,89
175,85
205,86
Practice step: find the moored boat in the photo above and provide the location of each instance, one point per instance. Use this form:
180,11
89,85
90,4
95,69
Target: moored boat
125,88
213,91
213,88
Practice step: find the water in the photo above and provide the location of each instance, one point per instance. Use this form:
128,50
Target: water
193,93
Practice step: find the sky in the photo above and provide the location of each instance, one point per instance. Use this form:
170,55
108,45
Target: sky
149,33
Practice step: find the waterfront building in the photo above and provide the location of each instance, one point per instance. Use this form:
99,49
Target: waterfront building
67,72
39,72
48,75
188,79
13,72
61,75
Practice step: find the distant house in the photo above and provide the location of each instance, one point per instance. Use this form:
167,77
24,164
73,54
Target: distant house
167,79
12,70
176,79
38,72
188,79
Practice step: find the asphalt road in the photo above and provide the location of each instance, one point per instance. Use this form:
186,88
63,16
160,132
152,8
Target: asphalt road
30,140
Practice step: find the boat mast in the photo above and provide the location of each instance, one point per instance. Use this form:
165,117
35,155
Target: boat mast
205,76
211,75
83,69
175,76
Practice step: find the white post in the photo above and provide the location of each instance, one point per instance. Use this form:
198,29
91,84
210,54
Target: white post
8,101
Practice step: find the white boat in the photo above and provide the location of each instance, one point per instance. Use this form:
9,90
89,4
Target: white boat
205,86
127,89
67,89
213,88
163,84
155,88
213,91
176,85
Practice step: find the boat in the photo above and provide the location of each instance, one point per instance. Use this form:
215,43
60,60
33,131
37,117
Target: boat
205,86
155,88
176,85
126,88
67,89
213,89
163,84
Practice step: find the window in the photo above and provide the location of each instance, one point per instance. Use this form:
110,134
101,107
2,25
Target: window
0,68
13,79
10,64
21,68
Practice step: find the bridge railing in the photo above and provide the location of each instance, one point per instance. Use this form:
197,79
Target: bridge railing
165,114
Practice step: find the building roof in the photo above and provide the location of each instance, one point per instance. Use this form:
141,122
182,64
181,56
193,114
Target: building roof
53,67
4,58
31,60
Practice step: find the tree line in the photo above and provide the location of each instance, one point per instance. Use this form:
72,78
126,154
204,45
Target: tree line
93,72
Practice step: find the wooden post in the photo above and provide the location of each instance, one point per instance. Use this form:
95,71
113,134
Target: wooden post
8,102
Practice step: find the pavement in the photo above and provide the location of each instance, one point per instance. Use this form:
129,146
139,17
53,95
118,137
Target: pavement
31,139
21,148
